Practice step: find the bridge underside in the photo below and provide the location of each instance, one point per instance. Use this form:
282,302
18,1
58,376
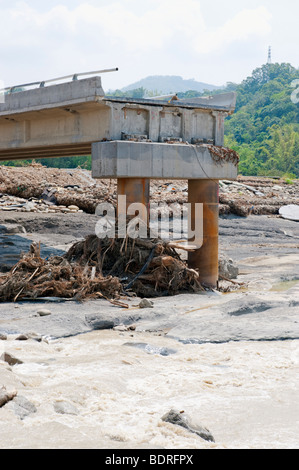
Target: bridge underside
53,151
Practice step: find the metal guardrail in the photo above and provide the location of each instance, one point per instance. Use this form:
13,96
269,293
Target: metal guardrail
41,84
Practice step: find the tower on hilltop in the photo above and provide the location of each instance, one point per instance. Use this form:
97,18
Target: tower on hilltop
269,55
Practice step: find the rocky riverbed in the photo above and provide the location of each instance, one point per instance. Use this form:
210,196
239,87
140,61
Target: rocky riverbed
96,375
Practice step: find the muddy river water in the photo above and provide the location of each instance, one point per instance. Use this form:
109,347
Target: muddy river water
229,360
245,393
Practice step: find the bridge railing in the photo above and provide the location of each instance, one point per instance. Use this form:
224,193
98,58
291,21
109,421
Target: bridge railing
43,83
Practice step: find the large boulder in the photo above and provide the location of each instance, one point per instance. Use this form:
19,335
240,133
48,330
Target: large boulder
227,268
182,419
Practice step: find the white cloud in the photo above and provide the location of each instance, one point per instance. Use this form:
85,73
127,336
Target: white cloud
245,24
146,30
119,33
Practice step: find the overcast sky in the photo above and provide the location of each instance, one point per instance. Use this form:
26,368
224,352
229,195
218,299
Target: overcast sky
212,41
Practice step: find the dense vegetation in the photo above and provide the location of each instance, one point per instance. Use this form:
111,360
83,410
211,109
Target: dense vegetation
264,129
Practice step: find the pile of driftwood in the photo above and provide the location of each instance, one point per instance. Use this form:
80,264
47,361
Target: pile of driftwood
101,268
66,187
223,154
76,187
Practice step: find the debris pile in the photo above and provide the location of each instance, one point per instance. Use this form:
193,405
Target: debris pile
223,154
36,188
257,196
17,204
100,268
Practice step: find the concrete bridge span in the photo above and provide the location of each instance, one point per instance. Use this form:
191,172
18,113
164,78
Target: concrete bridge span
65,119
54,121
131,140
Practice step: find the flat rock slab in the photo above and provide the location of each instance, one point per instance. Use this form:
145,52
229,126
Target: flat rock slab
22,407
256,321
290,212
198,318
13,245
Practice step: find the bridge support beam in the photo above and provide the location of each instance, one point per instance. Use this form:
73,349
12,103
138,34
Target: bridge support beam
206,258
136,190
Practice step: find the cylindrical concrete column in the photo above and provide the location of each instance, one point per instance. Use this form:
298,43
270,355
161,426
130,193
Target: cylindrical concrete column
136,190
206,258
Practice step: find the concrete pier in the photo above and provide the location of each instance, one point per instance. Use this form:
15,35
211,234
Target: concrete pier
136,191
121,159
206,258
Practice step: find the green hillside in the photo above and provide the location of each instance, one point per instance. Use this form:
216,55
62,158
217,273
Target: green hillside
265,127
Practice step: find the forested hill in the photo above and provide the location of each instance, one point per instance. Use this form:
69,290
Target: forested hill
264,130
164,84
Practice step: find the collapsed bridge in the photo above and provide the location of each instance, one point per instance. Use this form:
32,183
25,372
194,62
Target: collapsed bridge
131,140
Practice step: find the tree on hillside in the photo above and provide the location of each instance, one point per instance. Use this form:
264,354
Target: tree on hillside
264,128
